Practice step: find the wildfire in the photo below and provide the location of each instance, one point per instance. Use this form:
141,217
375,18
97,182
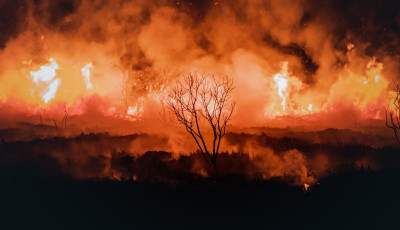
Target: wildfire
289,99
288,87
361,90
86,74
45,76
300,69
316,74
135,112
350,47
367,92
282,83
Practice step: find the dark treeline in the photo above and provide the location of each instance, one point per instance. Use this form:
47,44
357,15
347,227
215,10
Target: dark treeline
103,156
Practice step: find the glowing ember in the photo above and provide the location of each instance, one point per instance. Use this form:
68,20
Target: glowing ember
86,74
350,47
306,187
135,112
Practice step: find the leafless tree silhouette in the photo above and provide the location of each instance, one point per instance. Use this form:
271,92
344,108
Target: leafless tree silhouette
393,114
199,97
64,120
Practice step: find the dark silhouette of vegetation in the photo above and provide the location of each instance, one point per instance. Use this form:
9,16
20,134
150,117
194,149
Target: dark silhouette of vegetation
57,181
393,112
103,156
358,199
200,97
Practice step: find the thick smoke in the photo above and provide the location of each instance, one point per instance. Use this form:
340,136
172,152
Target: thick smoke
137,48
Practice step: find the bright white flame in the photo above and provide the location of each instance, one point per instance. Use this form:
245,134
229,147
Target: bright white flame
46,75
86,75
46,72
309,107
377,78
282,83
51,90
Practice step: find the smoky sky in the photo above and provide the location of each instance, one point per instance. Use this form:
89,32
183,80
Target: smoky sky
156,42
12,15
376,22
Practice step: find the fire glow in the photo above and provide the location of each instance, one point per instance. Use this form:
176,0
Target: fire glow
107,67
126,65
46,76
86,74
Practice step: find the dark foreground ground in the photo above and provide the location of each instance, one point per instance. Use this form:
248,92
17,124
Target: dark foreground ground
56,182
359,199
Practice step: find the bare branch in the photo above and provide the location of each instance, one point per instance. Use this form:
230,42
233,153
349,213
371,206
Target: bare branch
392,118
198,97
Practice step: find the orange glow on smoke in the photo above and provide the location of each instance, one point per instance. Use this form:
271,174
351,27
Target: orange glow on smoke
53,82
130,63
107,66
288,88
360,90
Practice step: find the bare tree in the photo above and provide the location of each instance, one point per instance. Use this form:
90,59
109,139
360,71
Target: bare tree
64,120
198,97
393,114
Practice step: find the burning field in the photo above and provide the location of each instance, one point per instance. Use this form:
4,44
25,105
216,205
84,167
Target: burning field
288,108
